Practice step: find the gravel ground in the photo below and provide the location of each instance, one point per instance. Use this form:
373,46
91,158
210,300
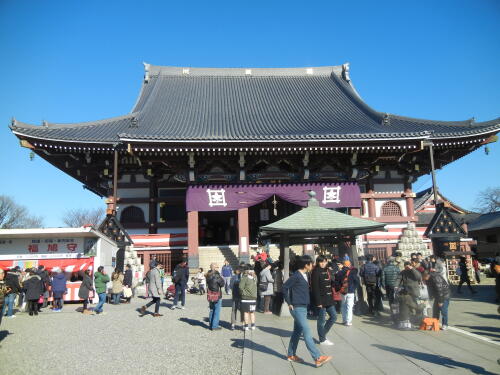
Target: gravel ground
121,341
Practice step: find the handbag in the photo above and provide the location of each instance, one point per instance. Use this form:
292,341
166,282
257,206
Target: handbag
424,292
127,292
212,296
263,286
40,299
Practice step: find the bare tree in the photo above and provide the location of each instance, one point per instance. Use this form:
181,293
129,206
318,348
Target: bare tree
488,200
80,216
13,215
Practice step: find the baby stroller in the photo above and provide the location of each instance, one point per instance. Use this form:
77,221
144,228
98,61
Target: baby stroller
170,294
195,288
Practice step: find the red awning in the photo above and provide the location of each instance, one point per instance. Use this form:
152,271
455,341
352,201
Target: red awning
68,265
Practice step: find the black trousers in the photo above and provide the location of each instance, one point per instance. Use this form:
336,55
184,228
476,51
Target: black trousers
390,294
464,280
371,295
85,303
33,307
156,302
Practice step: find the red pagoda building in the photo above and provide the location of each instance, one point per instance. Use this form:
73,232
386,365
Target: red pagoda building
208,155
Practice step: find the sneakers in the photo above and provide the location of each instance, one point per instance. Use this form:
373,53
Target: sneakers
252,327
232,327
181,307
13,316
348,324
322,360
444,328
246,328
156,315
143,310
295,358
327,343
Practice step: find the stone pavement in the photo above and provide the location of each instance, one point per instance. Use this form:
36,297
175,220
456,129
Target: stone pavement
373,346
120,342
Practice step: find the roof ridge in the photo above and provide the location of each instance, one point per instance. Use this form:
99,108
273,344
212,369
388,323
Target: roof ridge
23,125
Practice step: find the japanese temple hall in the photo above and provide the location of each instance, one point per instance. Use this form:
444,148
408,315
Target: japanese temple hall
209,155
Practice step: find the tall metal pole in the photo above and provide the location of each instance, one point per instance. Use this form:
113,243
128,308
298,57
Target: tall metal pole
433,173
115,181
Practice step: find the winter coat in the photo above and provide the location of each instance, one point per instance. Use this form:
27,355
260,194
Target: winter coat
266,277
100,281
181,275
127,279
296,290
321,285
33,287
12,281
464,271
399,262
155,285
248,288
370,270
235,286
390,274
227,271
278,281
352,281
438,287
117,284
3,291
410,280
58,282
214,281
86,287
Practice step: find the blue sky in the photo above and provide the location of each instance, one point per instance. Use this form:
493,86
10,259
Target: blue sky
69,61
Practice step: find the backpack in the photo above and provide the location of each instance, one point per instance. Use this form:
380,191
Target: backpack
177,277
345,283
370,277
147,277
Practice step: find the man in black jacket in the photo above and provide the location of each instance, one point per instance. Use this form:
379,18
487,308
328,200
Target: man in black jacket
296,294
180,279
440,291
12,282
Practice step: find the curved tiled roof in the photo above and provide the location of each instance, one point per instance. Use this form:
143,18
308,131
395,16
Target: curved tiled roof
248,104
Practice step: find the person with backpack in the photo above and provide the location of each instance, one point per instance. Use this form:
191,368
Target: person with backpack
390,274
180,279
34,289
58,288
12,282
370,273
347,283
297,296
215,282
322,298
439,289
85,289
155,290
248,292
227,273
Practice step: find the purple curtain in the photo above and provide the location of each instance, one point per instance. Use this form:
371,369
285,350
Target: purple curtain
233,197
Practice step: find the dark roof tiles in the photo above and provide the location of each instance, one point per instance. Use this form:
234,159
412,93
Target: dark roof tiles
211,104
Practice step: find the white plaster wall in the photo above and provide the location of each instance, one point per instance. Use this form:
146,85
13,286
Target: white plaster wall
365,207
133,193
143,206
379,203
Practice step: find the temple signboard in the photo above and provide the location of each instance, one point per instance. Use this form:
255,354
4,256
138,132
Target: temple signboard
234,197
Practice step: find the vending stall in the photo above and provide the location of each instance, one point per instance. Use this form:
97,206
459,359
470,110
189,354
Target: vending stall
71,249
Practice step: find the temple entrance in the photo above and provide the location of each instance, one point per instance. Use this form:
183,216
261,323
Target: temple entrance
264,213
218,228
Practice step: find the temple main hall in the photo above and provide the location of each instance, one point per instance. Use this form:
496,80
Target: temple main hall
209,155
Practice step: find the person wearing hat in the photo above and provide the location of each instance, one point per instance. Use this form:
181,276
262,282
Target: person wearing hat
390,274
12,281
347,282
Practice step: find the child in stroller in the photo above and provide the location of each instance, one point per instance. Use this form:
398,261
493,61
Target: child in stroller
170,294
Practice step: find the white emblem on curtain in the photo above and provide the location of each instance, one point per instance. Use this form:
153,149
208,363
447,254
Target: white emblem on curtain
216,197
331,194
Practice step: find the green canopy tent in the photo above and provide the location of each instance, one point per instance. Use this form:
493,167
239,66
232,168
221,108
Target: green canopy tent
317,225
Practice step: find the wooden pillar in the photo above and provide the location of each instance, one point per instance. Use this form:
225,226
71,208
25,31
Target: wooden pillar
193,256
243,235
371,205
285,252
410,207
153,207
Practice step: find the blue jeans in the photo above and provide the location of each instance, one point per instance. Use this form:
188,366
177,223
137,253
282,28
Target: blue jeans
213,316
324,326
180,290
8,304
116,298
301,327
100,304
227,283
443,310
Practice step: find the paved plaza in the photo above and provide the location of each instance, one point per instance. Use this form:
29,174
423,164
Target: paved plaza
179,342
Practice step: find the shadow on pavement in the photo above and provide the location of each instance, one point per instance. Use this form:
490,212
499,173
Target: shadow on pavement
481,328
276,331
194,322
238,343
4,334
486,316
436,359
